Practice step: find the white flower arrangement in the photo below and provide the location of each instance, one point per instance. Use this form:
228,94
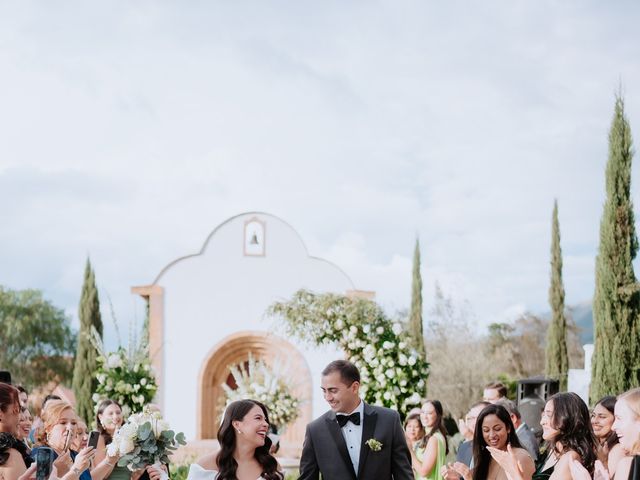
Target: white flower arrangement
125,376
392,374
257,381
144,439
374,445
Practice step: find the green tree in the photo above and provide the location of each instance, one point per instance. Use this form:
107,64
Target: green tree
37,343
616,359
415,314
556,356
84,378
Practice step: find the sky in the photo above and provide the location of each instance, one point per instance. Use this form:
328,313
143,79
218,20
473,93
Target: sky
130,130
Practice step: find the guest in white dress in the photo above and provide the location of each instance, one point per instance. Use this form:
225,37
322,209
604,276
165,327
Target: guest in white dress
244,447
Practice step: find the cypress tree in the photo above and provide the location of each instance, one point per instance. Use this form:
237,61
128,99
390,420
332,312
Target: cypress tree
616,358
415,314
84,378
556,357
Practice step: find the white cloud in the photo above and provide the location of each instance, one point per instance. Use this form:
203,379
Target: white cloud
129,131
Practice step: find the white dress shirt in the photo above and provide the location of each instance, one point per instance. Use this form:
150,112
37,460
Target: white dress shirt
353,436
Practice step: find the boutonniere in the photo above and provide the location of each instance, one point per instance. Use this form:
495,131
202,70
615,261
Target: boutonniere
374,445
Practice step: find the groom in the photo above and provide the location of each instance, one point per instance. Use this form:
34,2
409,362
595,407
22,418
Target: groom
353,440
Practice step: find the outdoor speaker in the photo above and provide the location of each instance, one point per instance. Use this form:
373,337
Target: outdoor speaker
533,393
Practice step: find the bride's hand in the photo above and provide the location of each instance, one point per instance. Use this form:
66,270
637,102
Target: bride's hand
156,473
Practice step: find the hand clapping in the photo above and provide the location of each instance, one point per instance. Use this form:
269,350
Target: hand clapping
578,472
508,462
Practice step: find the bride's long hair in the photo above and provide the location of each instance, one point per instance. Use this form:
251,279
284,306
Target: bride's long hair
227,465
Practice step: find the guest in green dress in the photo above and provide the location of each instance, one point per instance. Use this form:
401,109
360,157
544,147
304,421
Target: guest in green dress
108,421
429,455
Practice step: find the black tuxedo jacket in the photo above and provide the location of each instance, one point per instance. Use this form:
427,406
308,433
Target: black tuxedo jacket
325,451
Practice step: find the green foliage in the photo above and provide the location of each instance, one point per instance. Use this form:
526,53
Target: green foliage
37,342
556,356
179,472
416,331
125,376
393,374
616,305
84,379
511,384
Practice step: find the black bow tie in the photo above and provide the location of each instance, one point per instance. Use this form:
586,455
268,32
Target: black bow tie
353,418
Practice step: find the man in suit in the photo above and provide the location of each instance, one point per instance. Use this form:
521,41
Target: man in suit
353,440
527,438
467,427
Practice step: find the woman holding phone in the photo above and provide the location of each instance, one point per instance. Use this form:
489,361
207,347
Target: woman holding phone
57,432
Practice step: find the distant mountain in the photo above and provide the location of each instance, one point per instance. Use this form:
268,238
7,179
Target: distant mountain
582,314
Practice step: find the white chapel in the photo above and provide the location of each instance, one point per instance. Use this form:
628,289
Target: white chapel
207,312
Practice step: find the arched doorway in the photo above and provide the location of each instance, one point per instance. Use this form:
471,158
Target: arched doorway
235,350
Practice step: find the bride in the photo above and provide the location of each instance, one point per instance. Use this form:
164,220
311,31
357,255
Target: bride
244,447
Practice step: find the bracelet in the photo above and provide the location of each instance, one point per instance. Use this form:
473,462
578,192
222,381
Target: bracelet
76,470
110,464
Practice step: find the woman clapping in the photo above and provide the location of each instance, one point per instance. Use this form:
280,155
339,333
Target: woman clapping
494,434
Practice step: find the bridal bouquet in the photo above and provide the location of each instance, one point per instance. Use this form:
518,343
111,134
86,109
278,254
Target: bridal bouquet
145,439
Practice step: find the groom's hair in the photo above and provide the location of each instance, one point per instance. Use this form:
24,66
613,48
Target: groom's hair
349,373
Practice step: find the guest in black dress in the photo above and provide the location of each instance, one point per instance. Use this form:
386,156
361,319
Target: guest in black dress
14,458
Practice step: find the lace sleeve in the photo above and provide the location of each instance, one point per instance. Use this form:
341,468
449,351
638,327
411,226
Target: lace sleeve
7,442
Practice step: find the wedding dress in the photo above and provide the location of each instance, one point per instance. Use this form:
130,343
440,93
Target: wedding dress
196,472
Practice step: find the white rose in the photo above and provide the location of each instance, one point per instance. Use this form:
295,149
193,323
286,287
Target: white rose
353,329
387,345
339,324
387,395
112,450
128,432
402,345
143,381
390,373
114,361
380,330
366,328
412,360
396,328
159,427
127,446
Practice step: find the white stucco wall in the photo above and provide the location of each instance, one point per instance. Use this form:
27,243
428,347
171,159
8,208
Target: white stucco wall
220,291
579,379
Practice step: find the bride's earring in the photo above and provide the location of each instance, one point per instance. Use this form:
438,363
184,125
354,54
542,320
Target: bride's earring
238,430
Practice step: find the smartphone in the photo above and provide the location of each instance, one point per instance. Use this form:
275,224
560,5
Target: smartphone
44,458
67,439
93,439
